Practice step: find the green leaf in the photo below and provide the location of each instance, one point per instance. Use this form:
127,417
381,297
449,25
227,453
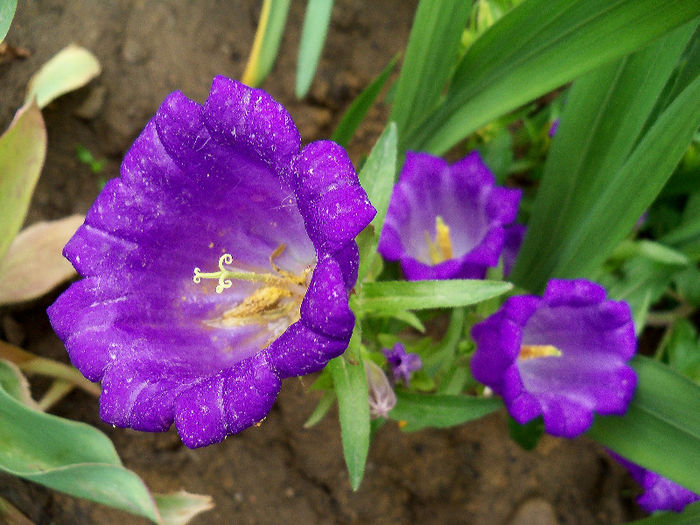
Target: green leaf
528,434
605,112
684,350
390,296
430,56
7,12
440,411
622,201
34,264
689,516
377,178
662,417
353,408
180,507
68,456
313,35
538,46
268,36
360,106
325,403
70,69
15,384
22,153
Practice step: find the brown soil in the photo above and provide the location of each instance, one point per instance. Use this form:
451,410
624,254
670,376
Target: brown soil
279,473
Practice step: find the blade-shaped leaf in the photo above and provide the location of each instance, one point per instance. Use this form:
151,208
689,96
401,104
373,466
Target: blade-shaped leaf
313,36
268,36
662,417
180,507
353,408
439,411
34,264
7,12
71,68
388,296
359,107
430,56
377,178
70,457
632,189
22,153
536,47
605,113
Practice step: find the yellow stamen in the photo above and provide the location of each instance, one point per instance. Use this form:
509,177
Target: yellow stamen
440,250
533,351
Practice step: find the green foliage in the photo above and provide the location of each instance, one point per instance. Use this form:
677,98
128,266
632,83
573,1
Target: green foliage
268,37
7,12
313,36
663,416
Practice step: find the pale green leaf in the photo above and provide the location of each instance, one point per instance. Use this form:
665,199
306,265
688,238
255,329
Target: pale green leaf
22,153
34,264
268,36
313,36
70,69
7,12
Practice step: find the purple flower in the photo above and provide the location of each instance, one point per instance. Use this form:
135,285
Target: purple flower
402,364
221,187
381,396
446,221
562,356
515,233
553,128
659,493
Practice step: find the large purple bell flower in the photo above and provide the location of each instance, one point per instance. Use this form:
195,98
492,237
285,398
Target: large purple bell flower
562,356
218,264
446,221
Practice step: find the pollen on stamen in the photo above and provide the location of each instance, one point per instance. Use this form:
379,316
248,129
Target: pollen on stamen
533,351
440,250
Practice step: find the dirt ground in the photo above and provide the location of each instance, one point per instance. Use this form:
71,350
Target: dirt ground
278,473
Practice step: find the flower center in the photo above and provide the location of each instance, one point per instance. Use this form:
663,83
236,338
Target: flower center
276,303
440,249
533,351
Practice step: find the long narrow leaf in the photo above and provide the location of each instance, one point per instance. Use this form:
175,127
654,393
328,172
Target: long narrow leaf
536,47
633,188
360,106
661,430
353,408
377,178
440,411
388,296
268,36
313,36
430,56
605,113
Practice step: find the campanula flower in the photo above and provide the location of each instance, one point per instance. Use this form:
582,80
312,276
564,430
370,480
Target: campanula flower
446,221
218,264
402,363
659,493
562,356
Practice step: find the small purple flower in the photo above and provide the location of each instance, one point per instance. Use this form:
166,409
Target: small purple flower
382,397
515,233
553,128
446,221
402,364
222,187
562,356
659,493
